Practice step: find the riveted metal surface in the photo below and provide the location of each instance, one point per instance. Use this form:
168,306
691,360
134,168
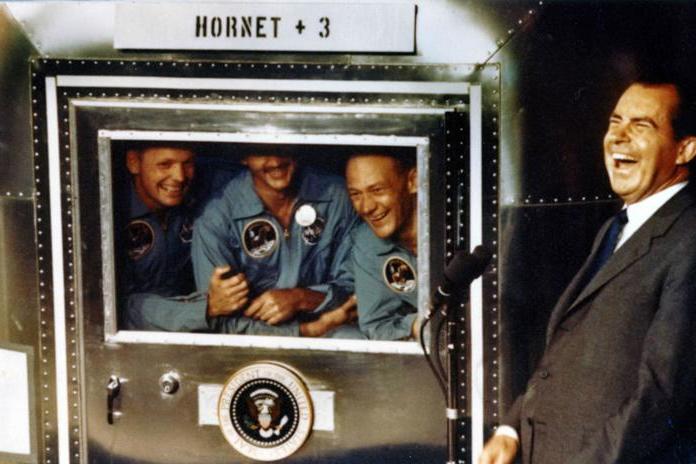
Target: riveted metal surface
85,108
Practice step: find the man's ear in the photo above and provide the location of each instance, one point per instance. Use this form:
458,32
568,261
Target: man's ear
133,161
412,180
686,151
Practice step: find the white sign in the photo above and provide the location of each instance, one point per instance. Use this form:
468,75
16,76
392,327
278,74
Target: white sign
323,410
302,27
15,432
208,396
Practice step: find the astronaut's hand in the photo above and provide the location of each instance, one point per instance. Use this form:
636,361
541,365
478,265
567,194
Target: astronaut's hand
226,295
500,449
280,305
274,306
347,312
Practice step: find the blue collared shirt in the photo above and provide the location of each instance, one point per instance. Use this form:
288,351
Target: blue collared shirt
385,286
157,278
158,249
236,230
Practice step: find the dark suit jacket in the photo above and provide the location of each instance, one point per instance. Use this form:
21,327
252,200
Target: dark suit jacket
617,381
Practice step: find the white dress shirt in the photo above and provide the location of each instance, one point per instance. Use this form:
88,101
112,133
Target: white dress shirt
638,213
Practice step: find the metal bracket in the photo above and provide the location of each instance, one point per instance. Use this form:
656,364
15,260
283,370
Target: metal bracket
113,389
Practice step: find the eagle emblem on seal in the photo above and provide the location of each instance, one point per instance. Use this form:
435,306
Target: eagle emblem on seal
265,413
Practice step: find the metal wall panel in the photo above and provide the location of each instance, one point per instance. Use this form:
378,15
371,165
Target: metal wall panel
18,282
15,130
19,319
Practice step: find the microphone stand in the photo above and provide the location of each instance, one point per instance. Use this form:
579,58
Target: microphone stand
452,402
462,270
446,311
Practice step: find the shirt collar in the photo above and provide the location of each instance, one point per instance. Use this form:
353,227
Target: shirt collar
249,204
638,213
245,198
137,207
386,246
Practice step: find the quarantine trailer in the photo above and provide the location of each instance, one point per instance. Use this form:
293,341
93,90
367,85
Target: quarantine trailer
501,106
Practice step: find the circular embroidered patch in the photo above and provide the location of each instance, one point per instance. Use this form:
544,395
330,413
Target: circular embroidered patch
312,233
265,411
259,238
399,275
140,238
186,232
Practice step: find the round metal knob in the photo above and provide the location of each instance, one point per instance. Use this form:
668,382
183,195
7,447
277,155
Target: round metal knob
169,383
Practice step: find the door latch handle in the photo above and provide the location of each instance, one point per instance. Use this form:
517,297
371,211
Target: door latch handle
113,389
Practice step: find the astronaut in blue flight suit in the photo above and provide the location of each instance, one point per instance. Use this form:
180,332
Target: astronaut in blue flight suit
282,231
162,202
383,190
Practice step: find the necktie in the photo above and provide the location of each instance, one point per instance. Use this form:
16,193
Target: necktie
606,248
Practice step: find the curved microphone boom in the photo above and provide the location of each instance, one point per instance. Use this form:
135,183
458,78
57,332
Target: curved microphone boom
464,268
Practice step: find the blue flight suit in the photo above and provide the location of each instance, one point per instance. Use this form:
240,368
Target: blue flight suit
158,274
385,286
236,230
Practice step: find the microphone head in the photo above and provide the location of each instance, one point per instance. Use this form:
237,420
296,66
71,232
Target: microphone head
465,266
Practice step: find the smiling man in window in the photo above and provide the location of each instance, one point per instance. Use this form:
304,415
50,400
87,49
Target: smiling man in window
159,212
382,187
280,230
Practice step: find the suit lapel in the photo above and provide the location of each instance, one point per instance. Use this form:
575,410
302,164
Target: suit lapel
631,251
637,246
571,292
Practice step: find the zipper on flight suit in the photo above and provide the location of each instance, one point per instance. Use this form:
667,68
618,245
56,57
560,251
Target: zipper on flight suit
286,230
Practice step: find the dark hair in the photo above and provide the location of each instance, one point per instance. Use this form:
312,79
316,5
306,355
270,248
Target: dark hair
684,115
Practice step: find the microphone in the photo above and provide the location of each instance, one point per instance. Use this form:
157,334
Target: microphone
463,269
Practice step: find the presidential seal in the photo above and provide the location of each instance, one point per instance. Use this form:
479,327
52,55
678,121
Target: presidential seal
259,238
265,411
399,275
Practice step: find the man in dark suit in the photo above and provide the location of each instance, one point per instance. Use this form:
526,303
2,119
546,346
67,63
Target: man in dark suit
617,381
